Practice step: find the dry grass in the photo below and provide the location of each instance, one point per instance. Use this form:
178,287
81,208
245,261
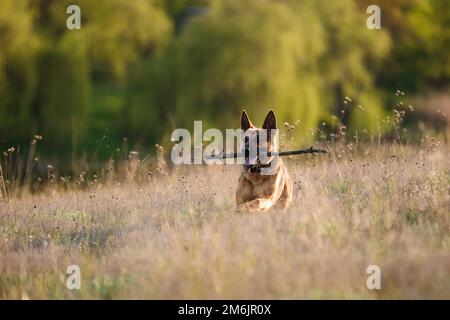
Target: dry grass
176,235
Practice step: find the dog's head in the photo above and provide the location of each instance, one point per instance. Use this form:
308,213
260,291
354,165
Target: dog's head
257,142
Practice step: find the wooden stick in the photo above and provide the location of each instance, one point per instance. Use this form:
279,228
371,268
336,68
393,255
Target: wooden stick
310,150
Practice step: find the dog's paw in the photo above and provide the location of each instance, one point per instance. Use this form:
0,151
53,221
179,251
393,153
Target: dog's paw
251,206
242,208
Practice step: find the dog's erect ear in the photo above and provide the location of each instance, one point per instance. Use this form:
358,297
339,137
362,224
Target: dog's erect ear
270,122
245,122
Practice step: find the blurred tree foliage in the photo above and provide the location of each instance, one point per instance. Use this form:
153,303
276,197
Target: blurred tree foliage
47,72
420,30
18,77
142,68
299,57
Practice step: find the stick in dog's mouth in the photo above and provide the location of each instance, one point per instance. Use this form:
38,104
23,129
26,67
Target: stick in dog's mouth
309,150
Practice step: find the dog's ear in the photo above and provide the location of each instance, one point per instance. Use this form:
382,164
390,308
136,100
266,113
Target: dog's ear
245,121
270,122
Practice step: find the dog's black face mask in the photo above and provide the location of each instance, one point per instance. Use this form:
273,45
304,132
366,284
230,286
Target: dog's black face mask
257,143
255,149
252,161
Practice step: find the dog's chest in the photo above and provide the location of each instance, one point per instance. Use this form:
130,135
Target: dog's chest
264,185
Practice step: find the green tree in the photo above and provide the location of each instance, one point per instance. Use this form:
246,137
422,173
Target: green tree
299,57
419,61
353,56
47,71
18,74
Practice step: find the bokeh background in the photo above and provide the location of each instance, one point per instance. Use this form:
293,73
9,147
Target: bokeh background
139,69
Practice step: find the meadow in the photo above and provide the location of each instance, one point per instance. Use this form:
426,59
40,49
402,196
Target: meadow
172,232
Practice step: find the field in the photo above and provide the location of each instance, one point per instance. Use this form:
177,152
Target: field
173,233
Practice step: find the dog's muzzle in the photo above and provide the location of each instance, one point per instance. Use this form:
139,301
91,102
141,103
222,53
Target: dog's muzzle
256,167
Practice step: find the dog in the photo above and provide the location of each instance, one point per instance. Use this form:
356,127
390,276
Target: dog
264,181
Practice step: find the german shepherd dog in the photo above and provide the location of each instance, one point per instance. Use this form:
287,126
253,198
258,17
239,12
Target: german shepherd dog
264,181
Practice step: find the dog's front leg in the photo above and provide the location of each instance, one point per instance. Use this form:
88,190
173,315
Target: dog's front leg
258,204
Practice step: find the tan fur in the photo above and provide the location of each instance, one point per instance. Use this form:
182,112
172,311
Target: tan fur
258,192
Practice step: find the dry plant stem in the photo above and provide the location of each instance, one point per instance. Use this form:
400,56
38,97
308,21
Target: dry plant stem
29,165
3,182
